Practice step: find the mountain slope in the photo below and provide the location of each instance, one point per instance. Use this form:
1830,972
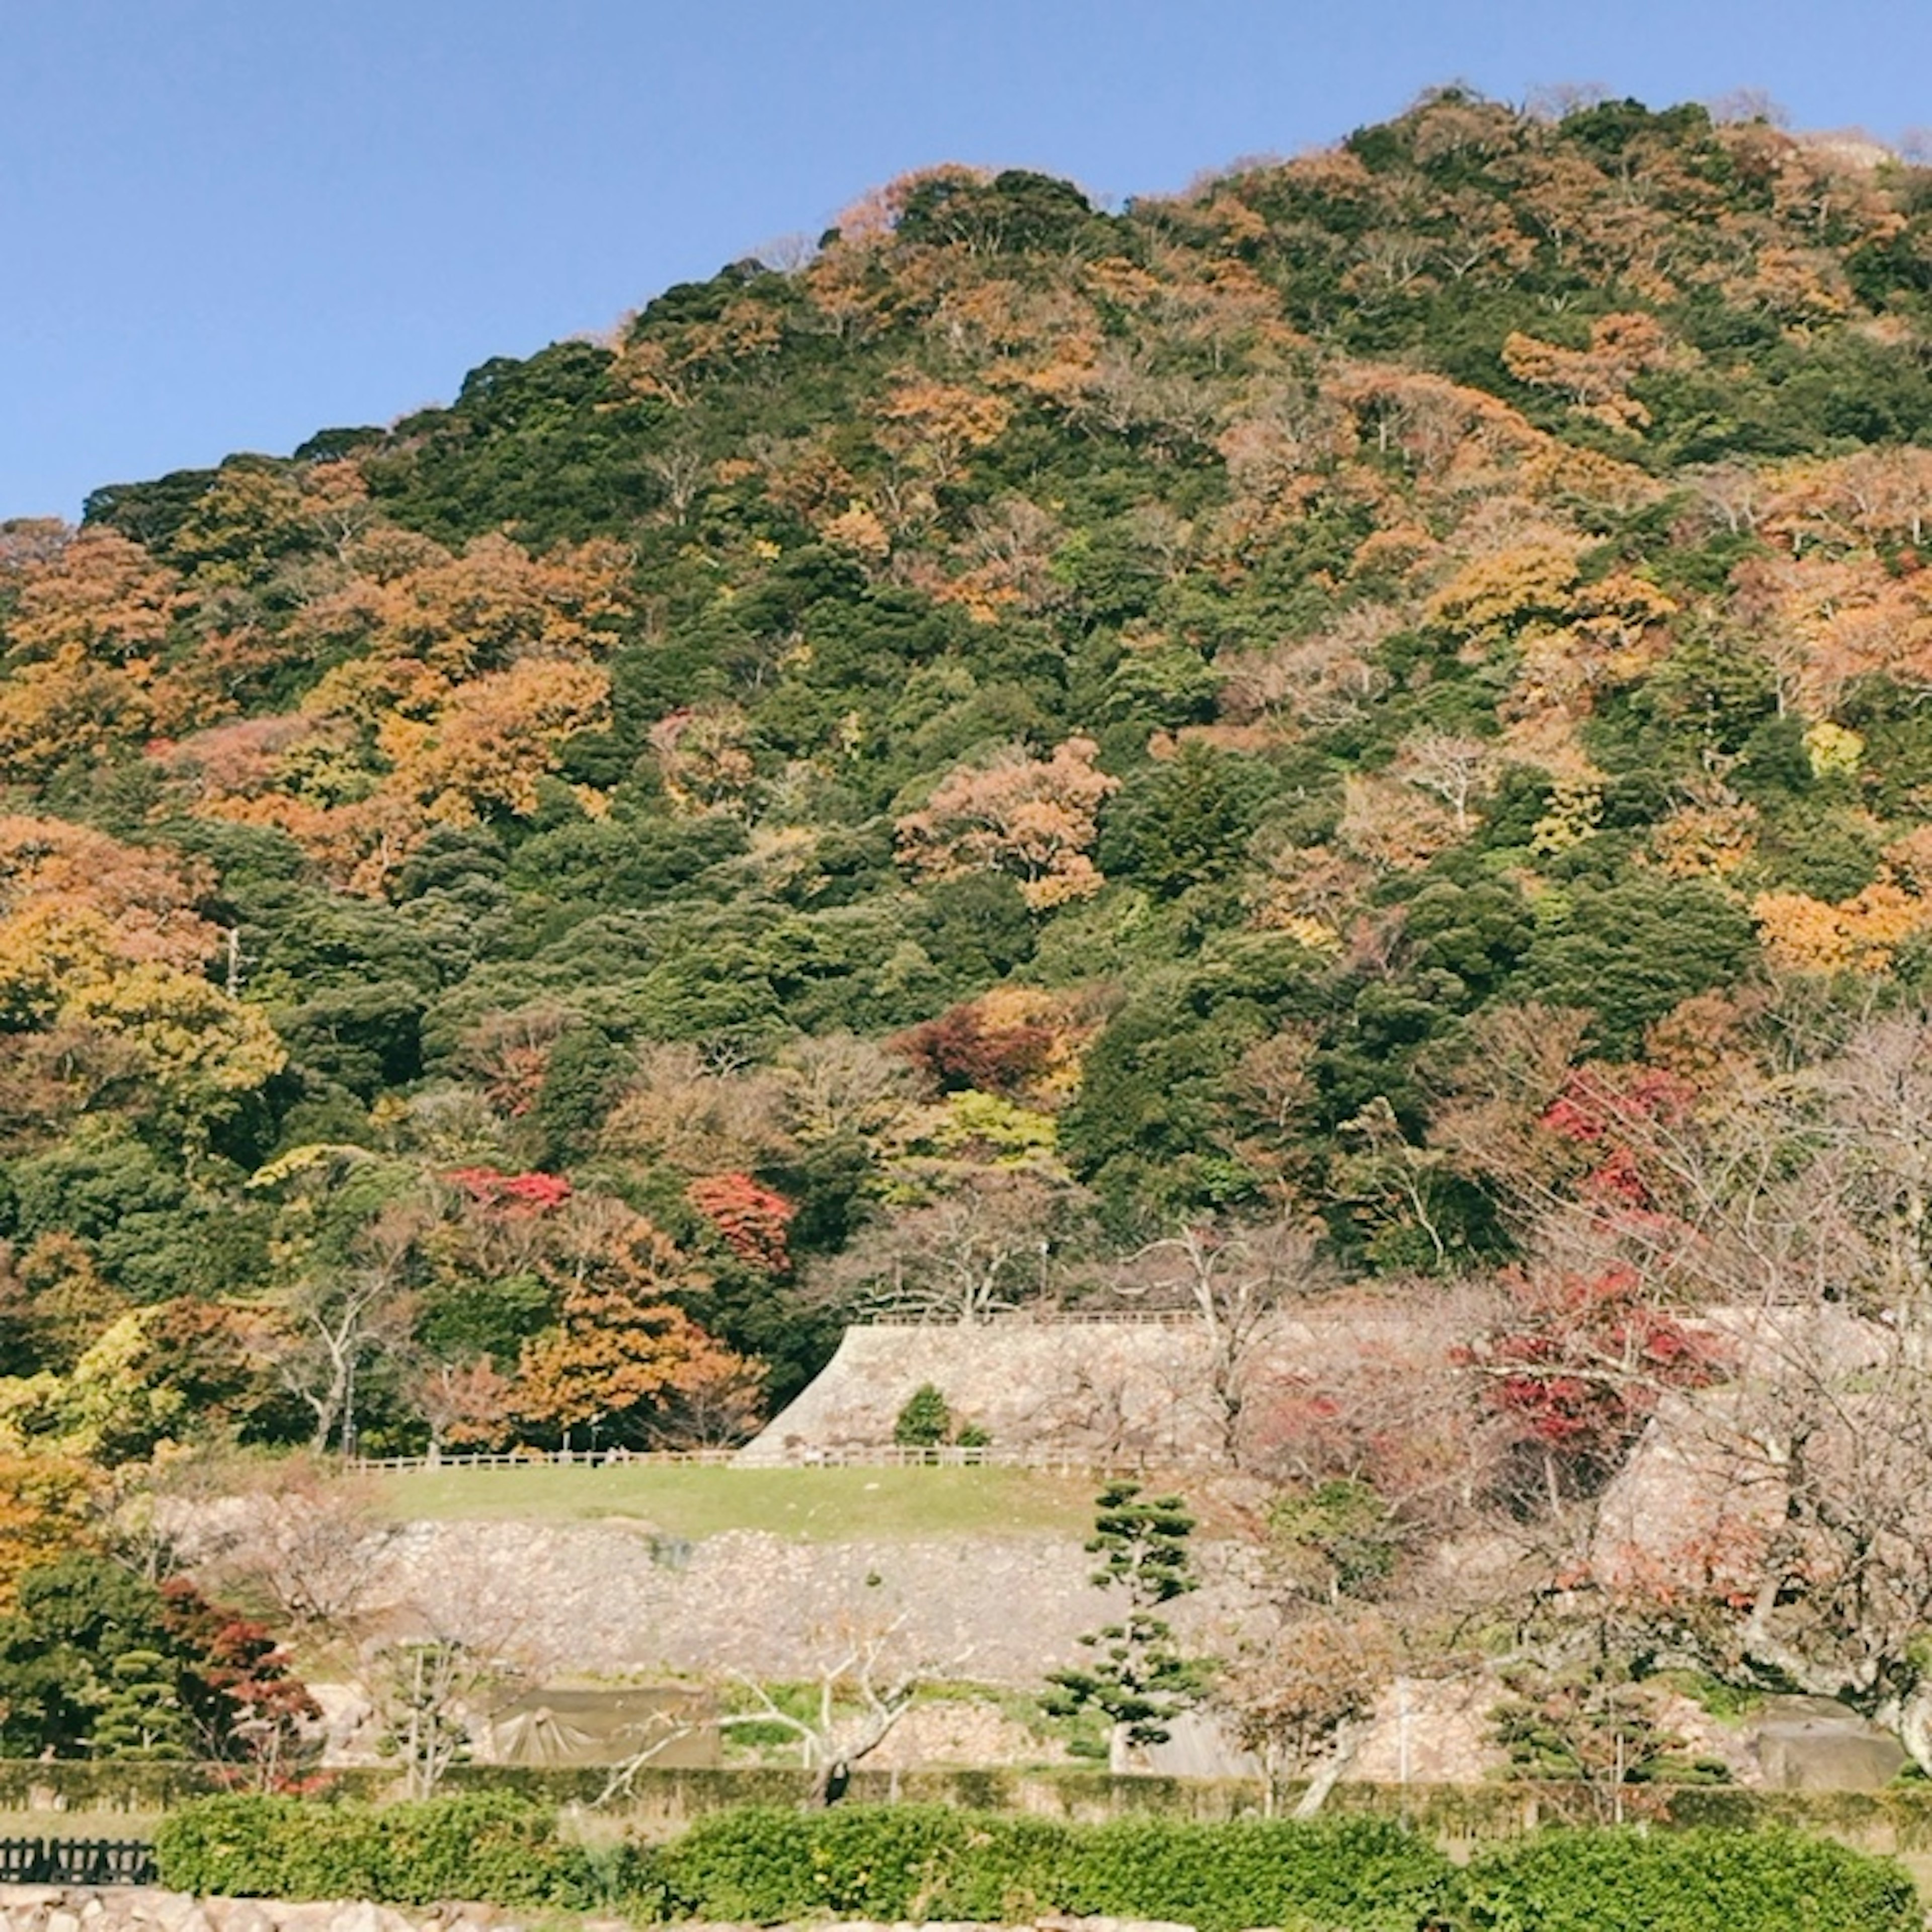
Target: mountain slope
1206,684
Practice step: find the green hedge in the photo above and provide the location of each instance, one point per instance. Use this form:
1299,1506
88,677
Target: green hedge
1694,1881
489,1847
917,1862
921,1862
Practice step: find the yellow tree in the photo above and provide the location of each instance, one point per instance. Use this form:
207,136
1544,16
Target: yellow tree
88,623
1597,380
100,944
44,1510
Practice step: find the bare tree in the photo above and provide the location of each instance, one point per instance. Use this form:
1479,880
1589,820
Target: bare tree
865,1683
421,1687
1236,1280
1556,100
1774,1522
1749,103
339,1311
1773,1531
1458,769
987,1243
309,1541
1302,1700
688,1110
839,1086
439,1673
862,1693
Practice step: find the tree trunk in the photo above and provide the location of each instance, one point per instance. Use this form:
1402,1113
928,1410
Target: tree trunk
1348,1740
1912,1718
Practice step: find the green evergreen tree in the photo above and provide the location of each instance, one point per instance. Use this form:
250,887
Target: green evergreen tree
926,1419
1139,1680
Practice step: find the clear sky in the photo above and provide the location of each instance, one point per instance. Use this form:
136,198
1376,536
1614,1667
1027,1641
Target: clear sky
226,223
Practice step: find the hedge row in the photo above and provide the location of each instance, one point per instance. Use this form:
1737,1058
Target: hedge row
489,1847
1696,1881
919,1862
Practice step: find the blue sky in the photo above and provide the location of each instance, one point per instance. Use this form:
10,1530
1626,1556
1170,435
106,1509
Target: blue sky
226,223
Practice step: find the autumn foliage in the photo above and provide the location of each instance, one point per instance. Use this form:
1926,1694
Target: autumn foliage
1033,819
1385,689
750,1220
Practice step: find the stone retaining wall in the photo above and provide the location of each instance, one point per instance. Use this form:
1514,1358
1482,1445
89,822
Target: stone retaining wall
607,1597
1122,1393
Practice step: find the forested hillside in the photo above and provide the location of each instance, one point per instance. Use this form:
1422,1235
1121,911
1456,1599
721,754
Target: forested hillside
1350,696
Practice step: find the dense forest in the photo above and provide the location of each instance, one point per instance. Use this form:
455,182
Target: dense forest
1357,697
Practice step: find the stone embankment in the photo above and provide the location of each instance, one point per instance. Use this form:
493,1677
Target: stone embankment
50,1908
1118,1393
609,1599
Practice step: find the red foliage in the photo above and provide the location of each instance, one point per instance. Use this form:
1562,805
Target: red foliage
247,1708
517,1079
1392,1417
1613,1120
959,1050
512,1193
1587,1360
751,1220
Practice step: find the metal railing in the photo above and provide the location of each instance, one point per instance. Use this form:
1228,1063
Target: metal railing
76,1862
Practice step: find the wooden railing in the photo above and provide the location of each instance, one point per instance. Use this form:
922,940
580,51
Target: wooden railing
539,1459
76,1862
883,1455
1042,1317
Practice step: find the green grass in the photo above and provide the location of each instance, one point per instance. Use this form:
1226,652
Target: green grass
811,1505
47,1824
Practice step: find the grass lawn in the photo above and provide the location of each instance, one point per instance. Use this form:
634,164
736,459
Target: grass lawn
813,1505
79,1824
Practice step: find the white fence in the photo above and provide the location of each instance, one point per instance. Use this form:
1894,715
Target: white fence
1042,1317
886,1456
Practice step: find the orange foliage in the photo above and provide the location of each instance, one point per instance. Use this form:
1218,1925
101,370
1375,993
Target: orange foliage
468,674
486,748
1032,818
1859,935
1493,596
87,626
1597,379
99,596
77,908
622,1354
932,426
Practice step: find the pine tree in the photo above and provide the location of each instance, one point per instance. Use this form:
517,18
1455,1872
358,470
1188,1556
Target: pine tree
1138,1679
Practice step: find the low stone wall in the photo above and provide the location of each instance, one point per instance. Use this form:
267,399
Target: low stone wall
36,1908
52,1908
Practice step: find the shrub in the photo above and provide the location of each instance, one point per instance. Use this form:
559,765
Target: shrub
489,1847
925,1421
912,1861
1696,1881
